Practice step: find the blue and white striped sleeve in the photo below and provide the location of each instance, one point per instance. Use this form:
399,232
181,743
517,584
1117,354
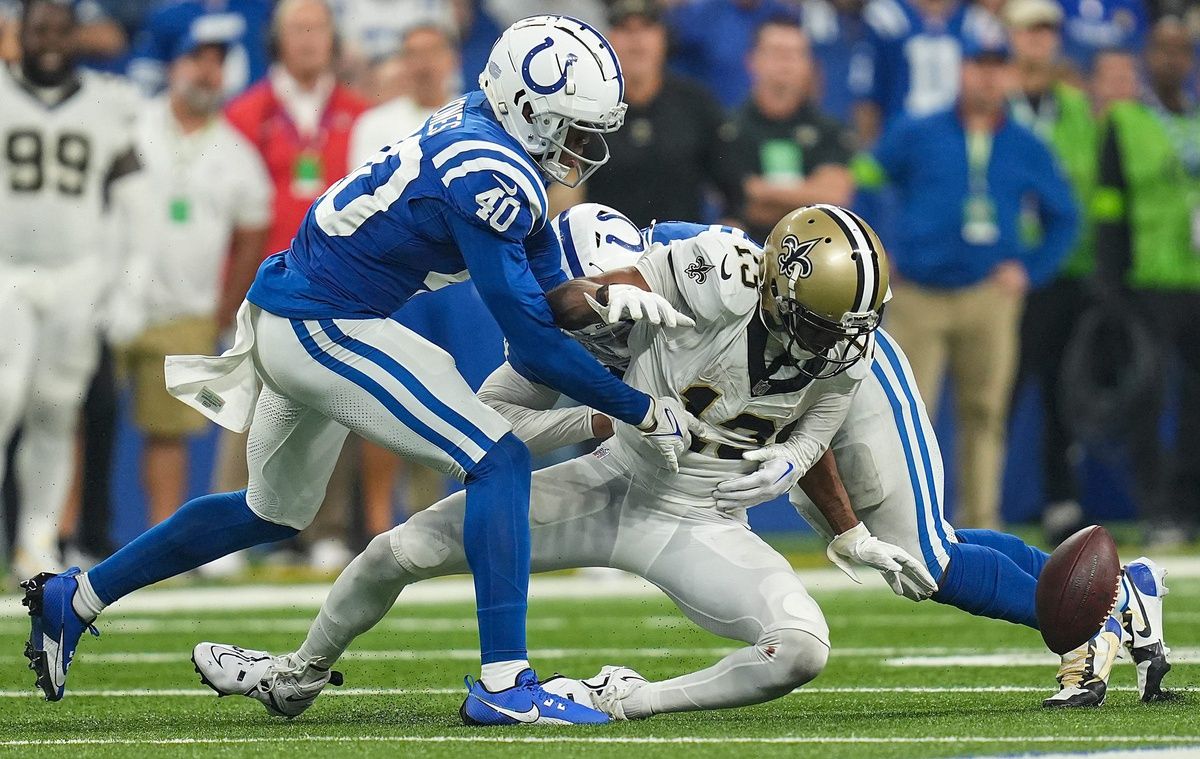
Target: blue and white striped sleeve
493,187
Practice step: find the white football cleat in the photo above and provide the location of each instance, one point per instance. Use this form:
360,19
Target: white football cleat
1083,674
284,686
602,692
1143,622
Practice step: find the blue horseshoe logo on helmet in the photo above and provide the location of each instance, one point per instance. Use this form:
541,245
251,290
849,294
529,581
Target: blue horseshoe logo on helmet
543,89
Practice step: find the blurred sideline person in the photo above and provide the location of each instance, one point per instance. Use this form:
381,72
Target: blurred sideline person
98,36
790,153
673,158
962,267
709,40
68,137
1148,260
208,217
246,22
838,35
912,58
372,33
299,119
1114,78
1061,116
429,56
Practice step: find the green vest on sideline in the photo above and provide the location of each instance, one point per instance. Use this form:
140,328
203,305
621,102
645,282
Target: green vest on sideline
1159,201
1076,143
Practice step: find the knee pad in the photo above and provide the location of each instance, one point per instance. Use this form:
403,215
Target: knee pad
425,545
796,656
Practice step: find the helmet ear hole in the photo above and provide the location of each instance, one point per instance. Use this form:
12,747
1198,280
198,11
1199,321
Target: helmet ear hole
527,112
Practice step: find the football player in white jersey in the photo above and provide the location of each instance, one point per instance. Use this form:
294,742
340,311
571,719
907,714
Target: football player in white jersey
772,364
66,140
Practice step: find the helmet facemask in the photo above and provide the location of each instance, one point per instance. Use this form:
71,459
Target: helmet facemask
573,144
815,346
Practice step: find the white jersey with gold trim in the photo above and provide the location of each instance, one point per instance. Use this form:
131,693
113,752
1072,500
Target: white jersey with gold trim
718,369
58,150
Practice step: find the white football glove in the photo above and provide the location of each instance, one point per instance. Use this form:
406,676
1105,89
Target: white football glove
858,546
775,476
627,301
667,428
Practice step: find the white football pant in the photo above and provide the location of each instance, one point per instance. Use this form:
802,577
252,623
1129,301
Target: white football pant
48,352
586,513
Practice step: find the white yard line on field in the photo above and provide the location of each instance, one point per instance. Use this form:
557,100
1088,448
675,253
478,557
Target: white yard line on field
916,655
1012,658
461,589
155,625
893,657
356,692
611,739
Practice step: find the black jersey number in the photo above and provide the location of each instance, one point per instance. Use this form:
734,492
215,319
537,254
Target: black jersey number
25,150
698,398
749,267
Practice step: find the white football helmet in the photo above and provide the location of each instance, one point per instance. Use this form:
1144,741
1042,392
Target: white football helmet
556,86
595,239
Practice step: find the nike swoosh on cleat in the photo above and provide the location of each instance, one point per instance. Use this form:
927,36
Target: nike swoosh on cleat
218,655
530,716
1145,631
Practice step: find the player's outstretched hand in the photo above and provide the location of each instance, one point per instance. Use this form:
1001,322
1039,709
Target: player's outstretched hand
629,302
668,428
776,474
858,546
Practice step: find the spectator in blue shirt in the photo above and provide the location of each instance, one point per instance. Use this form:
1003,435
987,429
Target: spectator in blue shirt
711,38
247,22
1093,26
838,35
960,267
909,65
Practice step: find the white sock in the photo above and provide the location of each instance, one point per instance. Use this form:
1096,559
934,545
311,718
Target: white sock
502,675
86,603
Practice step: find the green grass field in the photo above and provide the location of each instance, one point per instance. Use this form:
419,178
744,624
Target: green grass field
904,680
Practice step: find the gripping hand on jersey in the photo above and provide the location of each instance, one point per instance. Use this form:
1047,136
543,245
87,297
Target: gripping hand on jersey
668,429
616,302
781,465
858,546
773,478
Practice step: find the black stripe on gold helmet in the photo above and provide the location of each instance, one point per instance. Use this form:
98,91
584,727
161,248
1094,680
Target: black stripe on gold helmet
826,281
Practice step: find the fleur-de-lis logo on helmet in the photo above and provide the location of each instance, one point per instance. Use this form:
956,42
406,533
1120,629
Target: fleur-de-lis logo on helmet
793,260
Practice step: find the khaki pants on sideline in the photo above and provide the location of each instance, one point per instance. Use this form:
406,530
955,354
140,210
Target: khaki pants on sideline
975,333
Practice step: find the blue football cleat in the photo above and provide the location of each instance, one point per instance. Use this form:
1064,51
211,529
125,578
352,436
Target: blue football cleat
526,703
55,629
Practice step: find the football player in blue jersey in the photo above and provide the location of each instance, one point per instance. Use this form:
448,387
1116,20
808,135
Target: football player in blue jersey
316,354
909,62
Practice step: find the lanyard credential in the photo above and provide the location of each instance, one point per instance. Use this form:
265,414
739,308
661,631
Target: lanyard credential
979,212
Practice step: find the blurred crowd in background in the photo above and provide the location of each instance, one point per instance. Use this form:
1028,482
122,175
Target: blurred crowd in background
1033,167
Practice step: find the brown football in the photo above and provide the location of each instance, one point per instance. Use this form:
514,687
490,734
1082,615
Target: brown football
1077,588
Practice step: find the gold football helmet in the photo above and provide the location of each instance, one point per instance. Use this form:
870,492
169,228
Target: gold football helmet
825,284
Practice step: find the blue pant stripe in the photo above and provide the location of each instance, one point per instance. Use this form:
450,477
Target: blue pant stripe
409,381
889,350
927,553
382,395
